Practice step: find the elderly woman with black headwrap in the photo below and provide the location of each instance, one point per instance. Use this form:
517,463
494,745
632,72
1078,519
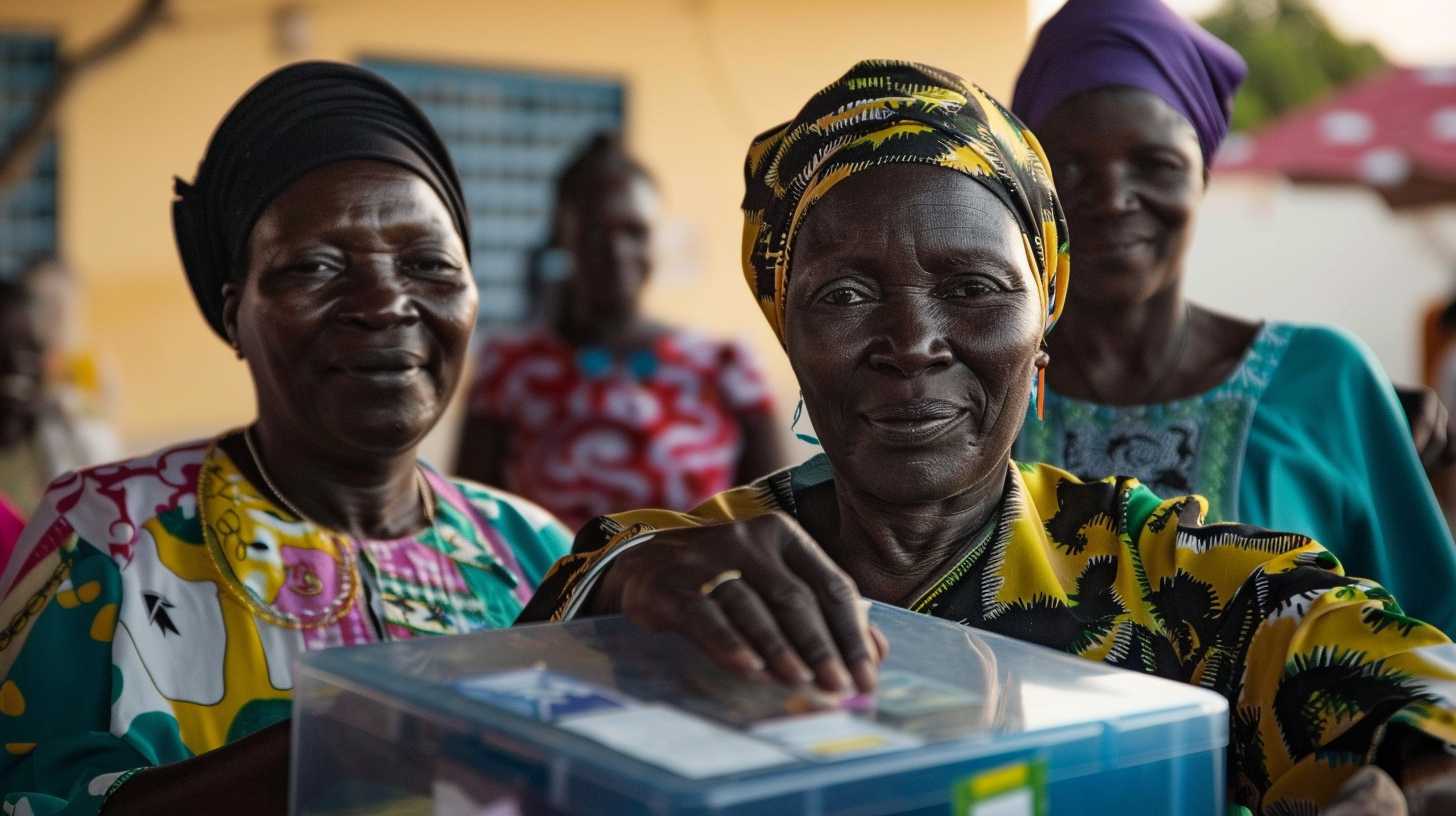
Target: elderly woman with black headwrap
905,242
153,608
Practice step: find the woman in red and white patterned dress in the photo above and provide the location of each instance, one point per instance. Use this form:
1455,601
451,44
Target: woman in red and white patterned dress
599,408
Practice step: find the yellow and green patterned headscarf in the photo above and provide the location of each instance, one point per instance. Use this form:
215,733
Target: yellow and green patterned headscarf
887,112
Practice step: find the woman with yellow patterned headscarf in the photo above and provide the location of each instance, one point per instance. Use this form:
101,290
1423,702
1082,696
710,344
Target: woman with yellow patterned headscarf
896,113
905,242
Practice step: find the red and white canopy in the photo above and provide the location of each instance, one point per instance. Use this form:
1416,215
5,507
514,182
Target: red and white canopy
1394,132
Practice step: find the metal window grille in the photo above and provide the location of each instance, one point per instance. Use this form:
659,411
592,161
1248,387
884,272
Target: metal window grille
509,133
28,209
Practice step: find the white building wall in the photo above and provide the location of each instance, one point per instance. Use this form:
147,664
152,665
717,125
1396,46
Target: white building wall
1319,255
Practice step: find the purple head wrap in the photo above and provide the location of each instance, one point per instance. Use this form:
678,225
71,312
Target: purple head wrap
1137,43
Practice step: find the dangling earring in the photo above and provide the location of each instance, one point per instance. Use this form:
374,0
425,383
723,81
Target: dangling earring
1038,393
799,414
1038,382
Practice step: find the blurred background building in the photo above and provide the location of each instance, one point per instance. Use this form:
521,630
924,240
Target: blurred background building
517,87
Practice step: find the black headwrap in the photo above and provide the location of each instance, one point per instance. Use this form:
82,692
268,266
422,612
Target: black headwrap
296,119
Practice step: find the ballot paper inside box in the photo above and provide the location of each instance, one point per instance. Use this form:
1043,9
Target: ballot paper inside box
600,717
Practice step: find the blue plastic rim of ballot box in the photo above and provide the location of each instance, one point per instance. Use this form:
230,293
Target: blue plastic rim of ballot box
600,717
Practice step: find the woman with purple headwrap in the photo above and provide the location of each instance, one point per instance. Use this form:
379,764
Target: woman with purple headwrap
1289,427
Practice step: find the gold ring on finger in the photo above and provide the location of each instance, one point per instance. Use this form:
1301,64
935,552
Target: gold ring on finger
710,586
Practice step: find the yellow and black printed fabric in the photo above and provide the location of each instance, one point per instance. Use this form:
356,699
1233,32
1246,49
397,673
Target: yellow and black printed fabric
1316,665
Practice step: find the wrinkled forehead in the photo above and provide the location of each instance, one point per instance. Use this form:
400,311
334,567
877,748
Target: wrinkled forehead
935,207
371,195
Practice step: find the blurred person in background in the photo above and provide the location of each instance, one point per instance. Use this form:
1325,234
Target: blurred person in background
47,426
1283,426
154,608
20,403
600,407
75,366
23,468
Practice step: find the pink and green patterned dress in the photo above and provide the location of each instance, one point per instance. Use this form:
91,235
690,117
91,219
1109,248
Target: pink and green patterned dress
153,608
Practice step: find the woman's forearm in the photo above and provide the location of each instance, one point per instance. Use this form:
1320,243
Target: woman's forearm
248,777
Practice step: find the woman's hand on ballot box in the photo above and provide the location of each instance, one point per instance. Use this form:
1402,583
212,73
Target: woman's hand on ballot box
757,595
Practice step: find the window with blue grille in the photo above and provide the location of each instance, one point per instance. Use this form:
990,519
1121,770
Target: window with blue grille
27,209
509,133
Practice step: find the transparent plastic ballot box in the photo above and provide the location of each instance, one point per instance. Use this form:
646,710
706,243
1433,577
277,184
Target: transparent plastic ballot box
600,717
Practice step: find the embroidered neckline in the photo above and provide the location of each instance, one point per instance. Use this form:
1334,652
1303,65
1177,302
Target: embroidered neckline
1247,380
1201,438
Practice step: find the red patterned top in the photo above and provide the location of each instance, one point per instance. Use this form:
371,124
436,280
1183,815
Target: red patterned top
592,434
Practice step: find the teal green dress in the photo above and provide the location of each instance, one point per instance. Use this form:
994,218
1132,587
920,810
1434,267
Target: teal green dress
1305,435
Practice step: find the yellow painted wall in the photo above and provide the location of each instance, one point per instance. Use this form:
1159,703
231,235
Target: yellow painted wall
702,77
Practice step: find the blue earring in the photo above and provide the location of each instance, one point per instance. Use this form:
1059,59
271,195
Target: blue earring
799,414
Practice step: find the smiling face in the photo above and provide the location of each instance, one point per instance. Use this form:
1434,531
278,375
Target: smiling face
22,370
1130,174
913,324
356,309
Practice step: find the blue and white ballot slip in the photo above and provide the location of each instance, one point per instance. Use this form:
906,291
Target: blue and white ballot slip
599,717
